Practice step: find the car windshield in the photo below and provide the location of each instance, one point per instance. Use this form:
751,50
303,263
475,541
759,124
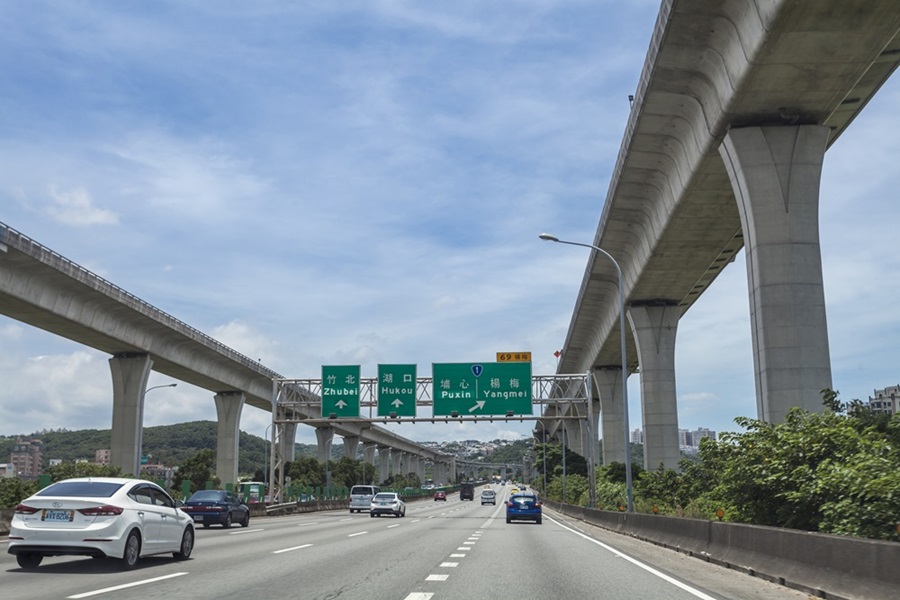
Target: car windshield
208,496
89,489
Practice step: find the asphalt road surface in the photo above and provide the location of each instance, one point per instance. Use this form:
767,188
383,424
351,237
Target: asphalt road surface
440,551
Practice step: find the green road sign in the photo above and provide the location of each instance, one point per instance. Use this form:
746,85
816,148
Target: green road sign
340,390
482,388
397,390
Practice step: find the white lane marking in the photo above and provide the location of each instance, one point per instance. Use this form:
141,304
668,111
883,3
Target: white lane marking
392,526
358,533
415,520
463,548
245,531
472,539
457,556
307,524
437,578
126,585
291,549
449,565
419,596
638,563
347,519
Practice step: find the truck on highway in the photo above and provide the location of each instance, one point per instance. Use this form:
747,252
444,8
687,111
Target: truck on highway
467,491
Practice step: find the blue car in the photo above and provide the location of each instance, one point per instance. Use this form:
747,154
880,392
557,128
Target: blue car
523,506
217,507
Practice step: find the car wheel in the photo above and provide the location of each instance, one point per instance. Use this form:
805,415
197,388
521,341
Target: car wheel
29,560
187,545
227,522
132,551
508,520
246,521
206,526
372,515
538,520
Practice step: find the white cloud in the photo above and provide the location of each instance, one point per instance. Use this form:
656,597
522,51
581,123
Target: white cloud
75,207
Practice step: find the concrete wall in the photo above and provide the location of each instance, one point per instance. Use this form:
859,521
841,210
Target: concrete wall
825,566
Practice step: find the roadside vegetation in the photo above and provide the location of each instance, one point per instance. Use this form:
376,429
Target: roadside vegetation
835,471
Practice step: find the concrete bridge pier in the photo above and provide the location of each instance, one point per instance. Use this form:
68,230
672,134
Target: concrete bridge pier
351,444
384,464
654,327
324,438
228,412
608,383
130,373
412,465
775,172
397,459
288,441
369,453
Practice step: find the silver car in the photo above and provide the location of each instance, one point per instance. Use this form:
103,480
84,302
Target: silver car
101,517
387,503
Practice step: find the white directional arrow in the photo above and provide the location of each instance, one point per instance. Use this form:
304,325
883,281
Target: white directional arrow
340,404
478,406
397,403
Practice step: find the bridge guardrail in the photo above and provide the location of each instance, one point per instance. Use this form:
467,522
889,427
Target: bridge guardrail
823,565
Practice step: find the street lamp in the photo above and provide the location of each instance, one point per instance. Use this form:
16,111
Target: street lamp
140,444
629,495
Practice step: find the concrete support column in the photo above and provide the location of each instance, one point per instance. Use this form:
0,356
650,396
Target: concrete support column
608,382
574,432
288,441
775,173
369,453
228,418
129,374
420,469
384,464
451,475
397,458
351,444
412,464
654,328
324,437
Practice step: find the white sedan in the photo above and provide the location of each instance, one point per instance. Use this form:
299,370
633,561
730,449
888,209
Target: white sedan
387,503
100,517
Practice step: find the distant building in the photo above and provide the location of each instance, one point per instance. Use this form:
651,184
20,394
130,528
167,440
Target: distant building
101,457
637,436
27,458
886,400
7,470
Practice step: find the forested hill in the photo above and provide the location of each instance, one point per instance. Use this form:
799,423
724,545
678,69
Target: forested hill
166,444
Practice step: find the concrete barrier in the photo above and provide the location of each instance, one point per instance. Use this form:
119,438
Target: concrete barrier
825,566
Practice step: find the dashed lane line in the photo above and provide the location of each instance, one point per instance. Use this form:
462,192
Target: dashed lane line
125,586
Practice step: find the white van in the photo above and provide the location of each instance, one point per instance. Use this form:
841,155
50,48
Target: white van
361,497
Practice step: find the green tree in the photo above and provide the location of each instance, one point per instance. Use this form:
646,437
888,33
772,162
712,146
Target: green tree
13,490
68,470
198,470
307,471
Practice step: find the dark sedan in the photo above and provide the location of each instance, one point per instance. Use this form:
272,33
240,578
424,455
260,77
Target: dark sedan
523,506
217,507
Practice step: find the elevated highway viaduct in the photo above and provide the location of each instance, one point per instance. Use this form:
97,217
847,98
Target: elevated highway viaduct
43,289
737,103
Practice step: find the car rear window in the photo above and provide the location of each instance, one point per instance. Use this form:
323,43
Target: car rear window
208,496
384,497
89,489
362,490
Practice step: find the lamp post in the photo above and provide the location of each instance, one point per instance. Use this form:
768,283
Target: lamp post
544,453
266,463
140,444
629,494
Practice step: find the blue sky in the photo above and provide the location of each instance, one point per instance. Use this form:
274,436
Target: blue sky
364,182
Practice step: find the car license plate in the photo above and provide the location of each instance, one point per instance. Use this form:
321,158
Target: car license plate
57,516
